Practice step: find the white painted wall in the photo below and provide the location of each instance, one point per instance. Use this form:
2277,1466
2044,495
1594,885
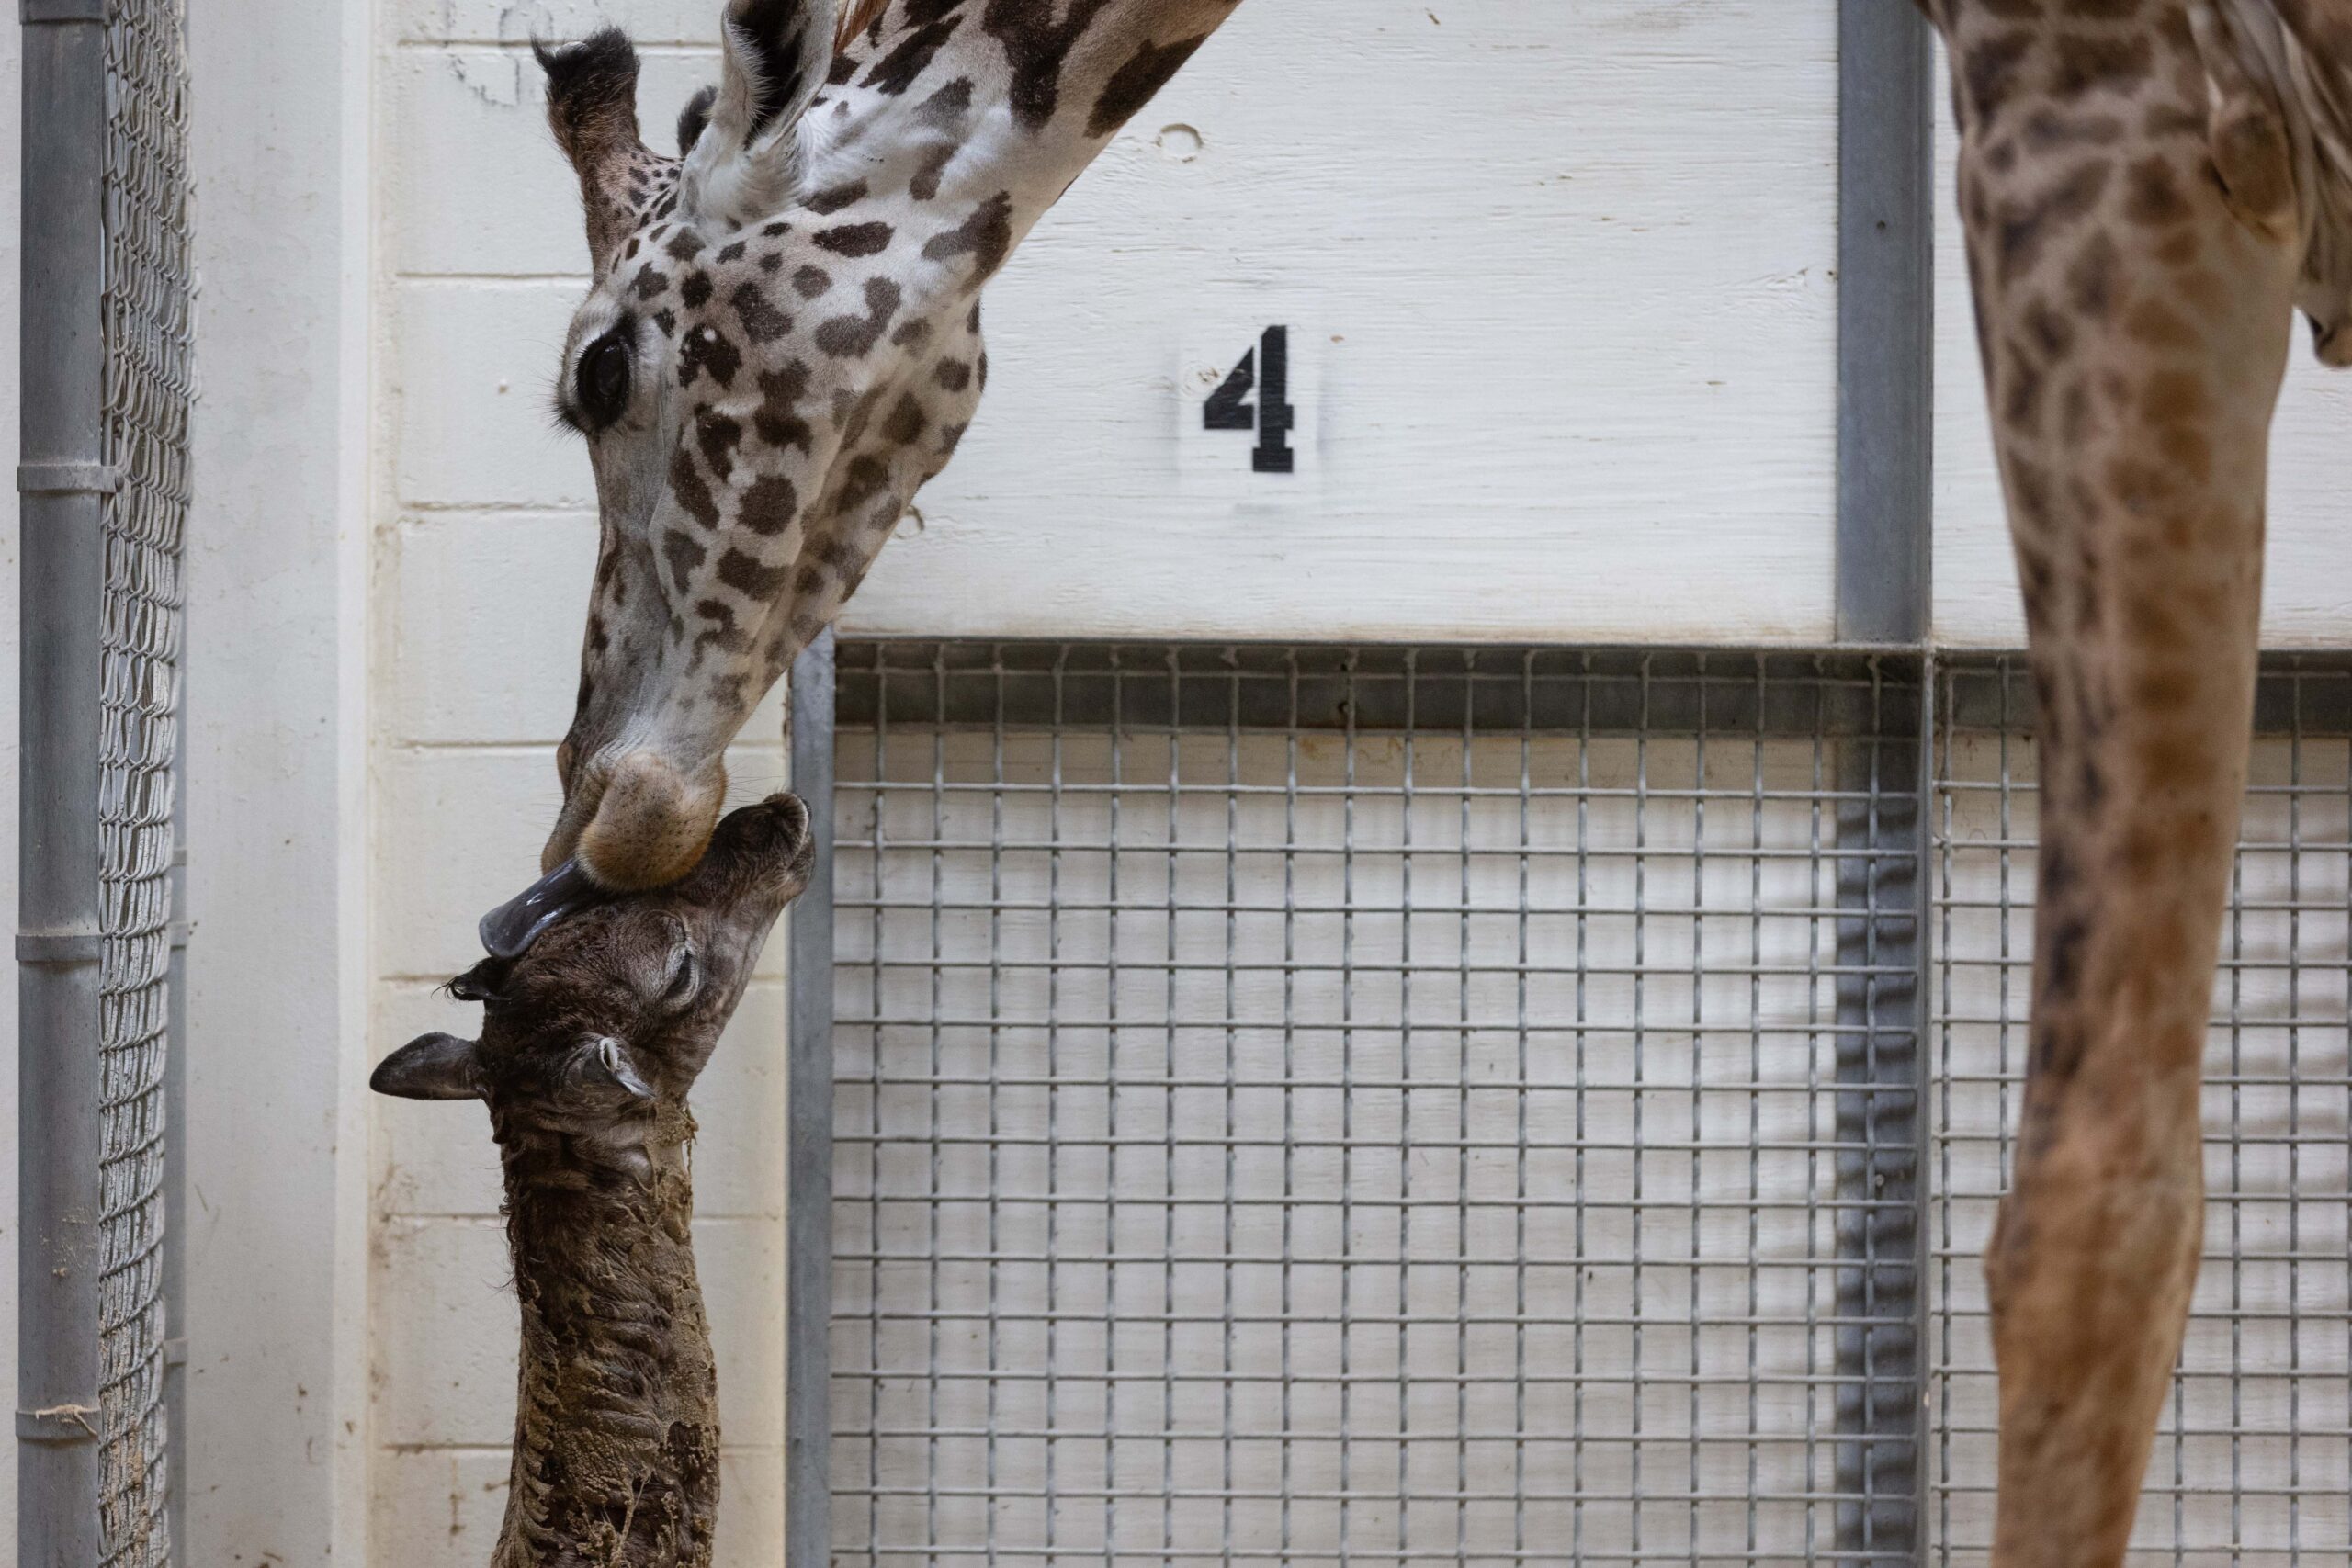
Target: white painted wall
276,789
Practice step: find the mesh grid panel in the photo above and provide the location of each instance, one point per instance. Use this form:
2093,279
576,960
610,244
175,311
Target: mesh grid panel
148,384
1373,1107
2252,1462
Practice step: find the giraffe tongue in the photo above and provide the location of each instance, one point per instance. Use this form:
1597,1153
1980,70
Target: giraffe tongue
509,930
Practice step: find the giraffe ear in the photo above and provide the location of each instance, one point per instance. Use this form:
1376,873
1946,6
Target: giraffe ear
432,1066
745,163
591,108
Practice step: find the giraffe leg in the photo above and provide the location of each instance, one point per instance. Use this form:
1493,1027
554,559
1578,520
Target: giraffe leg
2135,331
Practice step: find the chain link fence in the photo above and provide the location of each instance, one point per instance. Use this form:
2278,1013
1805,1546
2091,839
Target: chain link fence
150,382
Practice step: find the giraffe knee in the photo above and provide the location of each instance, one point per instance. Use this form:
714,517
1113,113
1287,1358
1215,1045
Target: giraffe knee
2101,1227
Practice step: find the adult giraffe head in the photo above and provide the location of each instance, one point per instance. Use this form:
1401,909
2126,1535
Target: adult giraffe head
782,342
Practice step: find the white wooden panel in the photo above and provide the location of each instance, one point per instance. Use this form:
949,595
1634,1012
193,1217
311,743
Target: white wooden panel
2307,596
1570,268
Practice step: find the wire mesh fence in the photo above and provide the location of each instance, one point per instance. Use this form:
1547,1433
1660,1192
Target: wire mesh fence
2253,1464
1373,1107
1388,1107
147,314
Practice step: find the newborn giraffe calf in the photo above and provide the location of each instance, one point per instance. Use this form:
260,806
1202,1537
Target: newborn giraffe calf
591,1040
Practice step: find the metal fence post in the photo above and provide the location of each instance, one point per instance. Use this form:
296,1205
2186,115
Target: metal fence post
62,488
1885,323
808,1202
1885,559
175,1179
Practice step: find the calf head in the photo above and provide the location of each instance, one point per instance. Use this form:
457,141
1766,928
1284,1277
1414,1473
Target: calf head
592,1038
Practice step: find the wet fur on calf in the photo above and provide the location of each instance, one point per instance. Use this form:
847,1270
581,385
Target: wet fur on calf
590,1045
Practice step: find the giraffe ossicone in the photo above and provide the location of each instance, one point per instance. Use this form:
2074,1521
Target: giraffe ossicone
782,344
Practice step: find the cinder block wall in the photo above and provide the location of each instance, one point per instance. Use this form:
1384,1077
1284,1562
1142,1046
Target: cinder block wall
485,541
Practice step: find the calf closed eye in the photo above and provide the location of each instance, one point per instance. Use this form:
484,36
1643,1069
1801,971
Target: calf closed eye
685,974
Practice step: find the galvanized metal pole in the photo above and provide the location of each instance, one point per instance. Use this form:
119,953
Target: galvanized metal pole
809,1201
62,484
1885,573
1886,323
176,1173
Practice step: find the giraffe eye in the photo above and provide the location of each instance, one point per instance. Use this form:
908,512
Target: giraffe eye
603,381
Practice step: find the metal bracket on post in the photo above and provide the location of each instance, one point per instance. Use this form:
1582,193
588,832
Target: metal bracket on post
35,12
808,1199
68,478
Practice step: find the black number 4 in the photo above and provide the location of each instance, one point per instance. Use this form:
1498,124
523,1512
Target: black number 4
1273,418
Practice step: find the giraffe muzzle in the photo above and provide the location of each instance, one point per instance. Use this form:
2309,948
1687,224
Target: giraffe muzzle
638,822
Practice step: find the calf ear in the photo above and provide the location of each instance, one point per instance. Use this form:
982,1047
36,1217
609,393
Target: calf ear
432,1066
745,163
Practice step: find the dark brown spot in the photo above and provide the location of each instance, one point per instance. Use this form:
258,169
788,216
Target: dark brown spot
1133,84
849,337
1037,47
718,436
705,349
718,617
695,292
747,576
2023,233
2150,195
687,484
856,239
684,245
924,186
986,236
733,253
907,422
770,505
825,203
864,480
685,556
812,282
762,322
2082,61
2094,279
651,280
1990,72
953,375
898,70
775,424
